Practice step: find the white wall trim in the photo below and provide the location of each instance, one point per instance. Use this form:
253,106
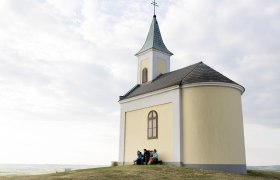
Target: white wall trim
149,94
152,49
238,87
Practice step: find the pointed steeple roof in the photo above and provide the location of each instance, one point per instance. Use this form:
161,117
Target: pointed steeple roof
154,39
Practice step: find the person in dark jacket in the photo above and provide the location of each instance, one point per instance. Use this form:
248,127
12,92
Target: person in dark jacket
146,156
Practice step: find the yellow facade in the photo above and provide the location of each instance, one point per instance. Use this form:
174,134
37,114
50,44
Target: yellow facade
161,67
212,126
136,133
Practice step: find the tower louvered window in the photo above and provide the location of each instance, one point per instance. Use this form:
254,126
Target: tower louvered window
152,125
144,75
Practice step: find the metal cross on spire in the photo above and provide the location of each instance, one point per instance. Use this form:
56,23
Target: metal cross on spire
154,3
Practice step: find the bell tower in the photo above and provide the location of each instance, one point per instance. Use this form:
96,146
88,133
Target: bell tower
153,57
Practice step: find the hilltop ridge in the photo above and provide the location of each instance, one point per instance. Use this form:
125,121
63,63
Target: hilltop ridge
148,172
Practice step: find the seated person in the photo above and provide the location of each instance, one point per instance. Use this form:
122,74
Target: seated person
154,158
138,161
139,158
146,157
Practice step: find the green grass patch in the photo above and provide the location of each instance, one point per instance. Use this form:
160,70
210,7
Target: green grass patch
147,172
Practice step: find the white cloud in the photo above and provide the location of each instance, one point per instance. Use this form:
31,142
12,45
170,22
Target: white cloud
240,40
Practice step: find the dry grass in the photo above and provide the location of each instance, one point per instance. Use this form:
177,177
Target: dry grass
147,172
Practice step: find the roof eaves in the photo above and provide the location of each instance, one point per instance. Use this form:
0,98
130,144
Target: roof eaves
124,96
153,48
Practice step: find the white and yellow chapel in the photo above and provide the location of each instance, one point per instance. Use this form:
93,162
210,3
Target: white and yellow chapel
192,116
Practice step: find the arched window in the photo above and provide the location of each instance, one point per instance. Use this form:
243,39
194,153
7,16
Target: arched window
144,75
152,125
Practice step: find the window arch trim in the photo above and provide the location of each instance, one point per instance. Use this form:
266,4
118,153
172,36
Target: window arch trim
152,126
144,75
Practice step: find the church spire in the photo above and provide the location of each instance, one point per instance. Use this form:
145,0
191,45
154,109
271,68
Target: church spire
153,57
154,39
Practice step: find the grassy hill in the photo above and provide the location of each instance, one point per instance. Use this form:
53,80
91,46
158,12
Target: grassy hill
147,172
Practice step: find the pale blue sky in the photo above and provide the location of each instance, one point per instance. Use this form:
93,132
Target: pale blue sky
63,64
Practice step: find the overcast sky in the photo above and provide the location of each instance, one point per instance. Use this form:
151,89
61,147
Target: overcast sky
63,64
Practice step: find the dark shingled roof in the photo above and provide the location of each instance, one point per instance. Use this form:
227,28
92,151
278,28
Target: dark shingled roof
195,73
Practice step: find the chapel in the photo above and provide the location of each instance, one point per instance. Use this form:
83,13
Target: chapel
192,116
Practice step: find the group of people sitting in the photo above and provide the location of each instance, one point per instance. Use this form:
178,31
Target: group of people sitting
148,158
